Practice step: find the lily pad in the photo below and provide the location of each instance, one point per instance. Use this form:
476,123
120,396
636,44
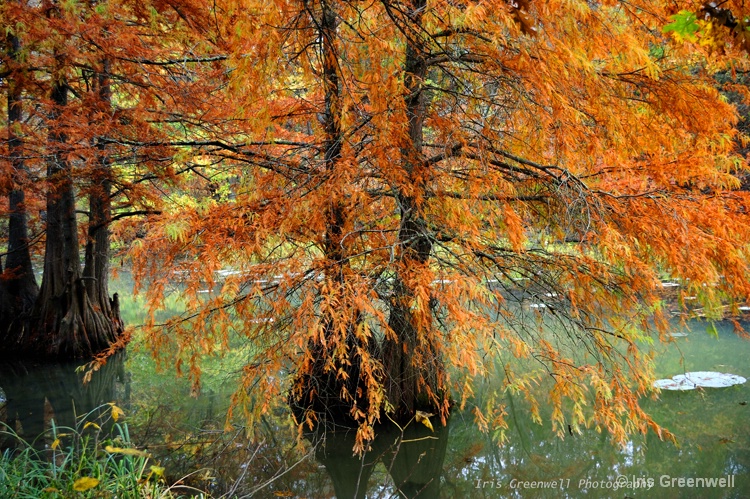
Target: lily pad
699,379
710,379
671,384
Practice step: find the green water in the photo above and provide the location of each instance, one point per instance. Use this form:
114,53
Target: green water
188,433
712,427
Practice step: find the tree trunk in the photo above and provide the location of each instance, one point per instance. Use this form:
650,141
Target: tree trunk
19,284
411,366
323,389
3,304
69,324
96,269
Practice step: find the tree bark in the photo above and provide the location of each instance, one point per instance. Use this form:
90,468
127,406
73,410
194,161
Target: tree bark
96,269
69,324
3,305
19,284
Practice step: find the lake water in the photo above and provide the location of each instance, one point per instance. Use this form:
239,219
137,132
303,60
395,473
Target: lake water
186,434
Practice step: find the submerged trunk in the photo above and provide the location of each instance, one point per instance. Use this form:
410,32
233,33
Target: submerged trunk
19,287
415,461
350,473
37,393
414,456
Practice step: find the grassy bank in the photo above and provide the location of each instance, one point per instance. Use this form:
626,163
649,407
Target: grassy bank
94,459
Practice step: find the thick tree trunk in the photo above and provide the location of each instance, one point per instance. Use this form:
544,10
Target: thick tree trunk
412,366
96,269
69,324
19,287
3,303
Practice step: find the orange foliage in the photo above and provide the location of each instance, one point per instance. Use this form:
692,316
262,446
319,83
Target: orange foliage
401,171
397,174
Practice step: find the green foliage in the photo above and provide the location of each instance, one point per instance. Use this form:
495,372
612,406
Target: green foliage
684,26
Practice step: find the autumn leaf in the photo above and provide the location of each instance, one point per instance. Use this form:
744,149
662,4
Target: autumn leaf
520,10
424,418
57,442
377,191
85,483
117,413
126,451
155,472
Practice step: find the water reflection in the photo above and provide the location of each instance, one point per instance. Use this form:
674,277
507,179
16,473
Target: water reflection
413,457
36,394
187,434
711,428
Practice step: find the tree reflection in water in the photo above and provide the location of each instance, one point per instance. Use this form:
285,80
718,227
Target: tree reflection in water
37,394
413,456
